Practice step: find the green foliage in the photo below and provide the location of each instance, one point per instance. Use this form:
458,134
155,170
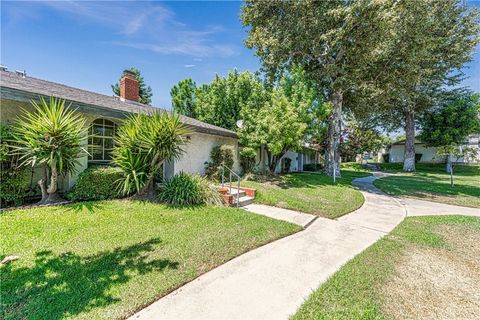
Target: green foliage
418,157
220,155
247,159
279,124
52,136
143,144
96,183
13,178
451,122
183,98
357,140
386,157
184,189
144,91
13,188
220,102
312,167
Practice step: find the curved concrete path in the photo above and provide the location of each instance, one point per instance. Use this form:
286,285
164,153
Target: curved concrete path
272,281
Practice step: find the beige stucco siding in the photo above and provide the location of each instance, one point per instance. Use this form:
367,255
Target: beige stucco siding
197,152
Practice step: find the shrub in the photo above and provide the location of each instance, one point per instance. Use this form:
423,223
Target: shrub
96,183
143,144
312,167
386,157
220,155
13,178
247,159
13,188
184,189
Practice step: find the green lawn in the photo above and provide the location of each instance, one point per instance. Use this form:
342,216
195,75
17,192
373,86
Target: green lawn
312,192
431,182
104,260
416,272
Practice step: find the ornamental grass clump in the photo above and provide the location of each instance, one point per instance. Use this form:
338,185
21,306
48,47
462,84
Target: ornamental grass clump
185,189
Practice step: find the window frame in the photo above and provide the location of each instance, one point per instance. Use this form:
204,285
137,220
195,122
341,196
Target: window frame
105,123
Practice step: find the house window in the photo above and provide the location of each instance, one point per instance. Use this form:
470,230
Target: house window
102,134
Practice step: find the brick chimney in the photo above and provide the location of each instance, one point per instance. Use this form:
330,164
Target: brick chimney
129,87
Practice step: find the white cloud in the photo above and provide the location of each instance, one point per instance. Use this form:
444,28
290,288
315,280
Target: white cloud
189,65
148,26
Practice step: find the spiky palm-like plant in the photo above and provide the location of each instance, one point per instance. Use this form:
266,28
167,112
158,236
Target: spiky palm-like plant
51,136
144,143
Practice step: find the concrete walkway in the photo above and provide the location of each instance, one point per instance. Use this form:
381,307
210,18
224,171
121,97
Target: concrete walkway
299,218
272,281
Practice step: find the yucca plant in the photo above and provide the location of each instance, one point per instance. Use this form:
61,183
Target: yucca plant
144,143
51,137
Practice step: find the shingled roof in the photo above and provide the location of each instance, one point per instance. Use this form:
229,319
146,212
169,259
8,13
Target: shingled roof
46,88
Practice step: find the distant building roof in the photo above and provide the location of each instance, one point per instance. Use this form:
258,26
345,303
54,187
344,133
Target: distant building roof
41,87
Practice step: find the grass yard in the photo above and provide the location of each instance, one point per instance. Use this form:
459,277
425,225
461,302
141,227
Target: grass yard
431,182
427,268
105,260
312,193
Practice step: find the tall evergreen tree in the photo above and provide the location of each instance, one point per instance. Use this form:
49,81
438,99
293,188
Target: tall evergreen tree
184,97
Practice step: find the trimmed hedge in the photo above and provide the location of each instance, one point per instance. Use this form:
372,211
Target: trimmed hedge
312,167
96,183
13,188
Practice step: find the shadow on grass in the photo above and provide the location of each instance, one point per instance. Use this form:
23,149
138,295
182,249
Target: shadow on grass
421,186
91,206
57,286
315,180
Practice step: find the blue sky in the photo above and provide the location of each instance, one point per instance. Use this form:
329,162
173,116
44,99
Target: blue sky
88,44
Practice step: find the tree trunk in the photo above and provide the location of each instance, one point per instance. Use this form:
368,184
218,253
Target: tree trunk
409,155
52,189
332,154
42,183
449,163
147,188
43,189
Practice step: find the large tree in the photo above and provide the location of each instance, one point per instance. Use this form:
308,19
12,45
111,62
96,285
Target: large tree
335,42
184,98
220,102
144,91
448,125
281,120
430,42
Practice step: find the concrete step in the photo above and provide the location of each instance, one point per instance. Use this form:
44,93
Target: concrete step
243,201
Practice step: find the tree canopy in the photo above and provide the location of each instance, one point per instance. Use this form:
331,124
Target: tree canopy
451,122
184,98
144,91
335,42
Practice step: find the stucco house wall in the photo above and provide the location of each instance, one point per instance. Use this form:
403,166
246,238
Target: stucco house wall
296,165
197,152
429,154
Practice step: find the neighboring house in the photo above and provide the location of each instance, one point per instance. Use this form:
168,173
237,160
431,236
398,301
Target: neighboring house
104,114
429,154
297,160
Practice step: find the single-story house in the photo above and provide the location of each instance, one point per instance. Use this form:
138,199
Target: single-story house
429,154
105,113
308,155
